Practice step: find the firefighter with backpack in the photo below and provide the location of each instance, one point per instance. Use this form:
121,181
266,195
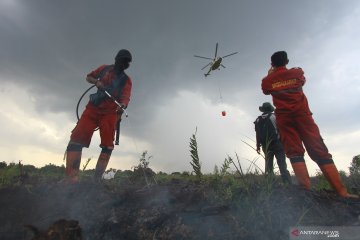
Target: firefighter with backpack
268,138
102,112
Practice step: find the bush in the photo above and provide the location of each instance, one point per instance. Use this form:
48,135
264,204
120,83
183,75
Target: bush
52,169
3,165
29,169
355,165
321,182
9,173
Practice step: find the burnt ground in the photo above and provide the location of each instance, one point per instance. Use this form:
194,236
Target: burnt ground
175,209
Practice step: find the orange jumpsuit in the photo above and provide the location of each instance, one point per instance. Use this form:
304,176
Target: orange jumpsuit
294,118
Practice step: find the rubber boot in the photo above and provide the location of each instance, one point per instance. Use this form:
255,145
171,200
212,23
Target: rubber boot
302,174
73,159
101,165
332,175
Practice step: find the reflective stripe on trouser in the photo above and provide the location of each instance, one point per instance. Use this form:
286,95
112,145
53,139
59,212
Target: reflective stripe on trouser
301,172
332,175
101,164
296,131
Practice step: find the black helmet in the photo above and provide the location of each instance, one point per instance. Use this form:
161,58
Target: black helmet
123,54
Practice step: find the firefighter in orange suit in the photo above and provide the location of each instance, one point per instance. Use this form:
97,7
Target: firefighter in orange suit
296,124
101,112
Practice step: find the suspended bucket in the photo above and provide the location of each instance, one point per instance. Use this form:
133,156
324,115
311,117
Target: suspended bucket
223,113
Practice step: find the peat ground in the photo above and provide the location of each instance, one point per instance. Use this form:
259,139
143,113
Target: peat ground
251,207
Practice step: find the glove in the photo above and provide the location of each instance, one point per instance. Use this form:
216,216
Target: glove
99,84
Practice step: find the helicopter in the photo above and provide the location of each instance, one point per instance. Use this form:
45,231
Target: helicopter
215,62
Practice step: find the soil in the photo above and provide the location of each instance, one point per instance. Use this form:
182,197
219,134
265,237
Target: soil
176,209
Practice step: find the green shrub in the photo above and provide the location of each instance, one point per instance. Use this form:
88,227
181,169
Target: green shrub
321,182
355,165
3,165
195,163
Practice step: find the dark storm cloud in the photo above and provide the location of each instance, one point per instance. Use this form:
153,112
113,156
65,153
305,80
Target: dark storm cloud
50,47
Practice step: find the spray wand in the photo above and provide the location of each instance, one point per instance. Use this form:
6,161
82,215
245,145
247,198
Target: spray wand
115,101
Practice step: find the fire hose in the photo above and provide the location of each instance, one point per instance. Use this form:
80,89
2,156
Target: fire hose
115,101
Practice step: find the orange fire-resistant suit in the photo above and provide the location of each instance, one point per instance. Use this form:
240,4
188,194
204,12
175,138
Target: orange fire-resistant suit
297,127
101,112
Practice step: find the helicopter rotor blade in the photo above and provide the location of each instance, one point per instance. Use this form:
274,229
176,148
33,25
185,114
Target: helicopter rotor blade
222,66
230,54
206,66
202,57
216,49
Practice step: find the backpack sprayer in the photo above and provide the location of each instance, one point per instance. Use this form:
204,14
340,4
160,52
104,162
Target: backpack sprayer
115,101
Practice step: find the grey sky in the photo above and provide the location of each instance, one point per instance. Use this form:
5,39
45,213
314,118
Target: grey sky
48,48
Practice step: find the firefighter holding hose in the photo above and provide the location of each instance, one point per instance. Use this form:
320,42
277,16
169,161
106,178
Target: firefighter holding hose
103,111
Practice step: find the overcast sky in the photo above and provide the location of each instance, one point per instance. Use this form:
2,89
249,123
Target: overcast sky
47,48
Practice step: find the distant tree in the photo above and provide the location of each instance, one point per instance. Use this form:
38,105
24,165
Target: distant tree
225,166
29,168
52,169
3,165
355,165
162,173
342,173
216,170
12,164
185,173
